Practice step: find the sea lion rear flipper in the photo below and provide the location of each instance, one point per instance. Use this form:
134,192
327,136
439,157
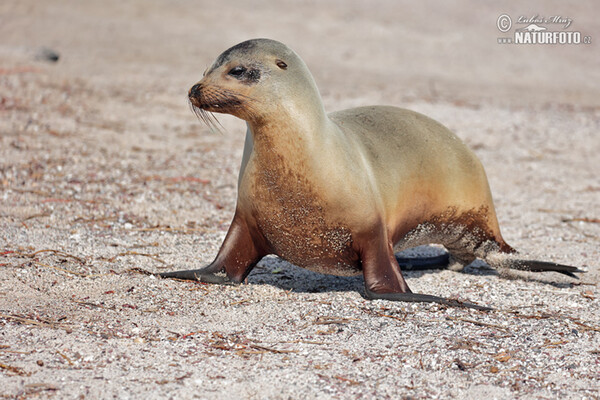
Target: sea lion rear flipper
543,266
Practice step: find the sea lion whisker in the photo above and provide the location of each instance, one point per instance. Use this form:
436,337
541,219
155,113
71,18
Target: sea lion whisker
208,118
193,108
211,120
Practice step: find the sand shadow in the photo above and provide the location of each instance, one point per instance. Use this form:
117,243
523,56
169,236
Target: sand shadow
281,274
284,275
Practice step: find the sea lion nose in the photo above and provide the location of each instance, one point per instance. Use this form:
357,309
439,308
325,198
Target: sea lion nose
194,91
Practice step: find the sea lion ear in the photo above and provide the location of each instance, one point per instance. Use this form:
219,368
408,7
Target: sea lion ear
281,64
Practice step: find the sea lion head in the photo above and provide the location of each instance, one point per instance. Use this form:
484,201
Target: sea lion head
253,80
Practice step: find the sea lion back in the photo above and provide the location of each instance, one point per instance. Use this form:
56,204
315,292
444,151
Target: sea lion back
424,171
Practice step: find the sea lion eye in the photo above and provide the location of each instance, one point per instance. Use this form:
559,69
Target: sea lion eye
237,71
281,64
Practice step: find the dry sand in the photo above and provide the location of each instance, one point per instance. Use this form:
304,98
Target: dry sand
104,170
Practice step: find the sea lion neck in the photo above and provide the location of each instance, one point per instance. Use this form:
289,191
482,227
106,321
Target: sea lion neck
301,128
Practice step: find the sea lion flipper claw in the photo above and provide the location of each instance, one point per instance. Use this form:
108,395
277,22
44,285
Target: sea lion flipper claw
201,275
423,298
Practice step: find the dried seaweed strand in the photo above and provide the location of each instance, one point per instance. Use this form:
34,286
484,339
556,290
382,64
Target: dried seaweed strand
341,378
15,370
58,252
33,191
583,219
39,387
32,321
304,341
332,320
259,347
65,357
240,302
44,214
401,319
87,303
587,327
347,380
64,270
135,253
552,344
4,350
138,270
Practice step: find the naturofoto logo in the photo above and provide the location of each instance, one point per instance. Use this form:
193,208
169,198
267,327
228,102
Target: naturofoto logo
539,30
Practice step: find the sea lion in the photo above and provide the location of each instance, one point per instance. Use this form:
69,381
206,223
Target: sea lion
339,193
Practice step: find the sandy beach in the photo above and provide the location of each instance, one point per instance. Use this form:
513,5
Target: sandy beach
106,174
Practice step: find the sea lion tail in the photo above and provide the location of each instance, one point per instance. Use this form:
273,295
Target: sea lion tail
543,266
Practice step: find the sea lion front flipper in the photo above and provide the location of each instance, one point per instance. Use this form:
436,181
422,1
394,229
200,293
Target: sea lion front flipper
384,279
423,298
241,250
